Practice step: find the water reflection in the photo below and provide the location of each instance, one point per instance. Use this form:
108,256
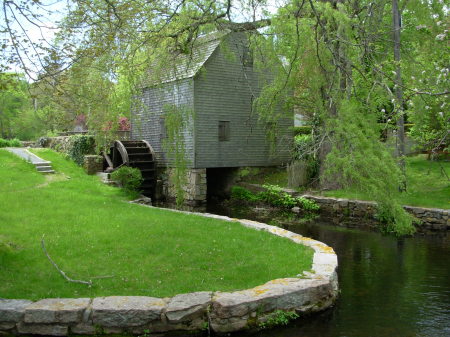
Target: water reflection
389,287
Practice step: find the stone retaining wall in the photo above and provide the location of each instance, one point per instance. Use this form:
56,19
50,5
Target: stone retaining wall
359,213
221,312
431,219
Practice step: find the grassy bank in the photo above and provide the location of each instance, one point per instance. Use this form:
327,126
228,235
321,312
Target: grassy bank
427,182
90,231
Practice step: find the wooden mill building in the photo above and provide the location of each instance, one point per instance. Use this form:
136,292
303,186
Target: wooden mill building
216,85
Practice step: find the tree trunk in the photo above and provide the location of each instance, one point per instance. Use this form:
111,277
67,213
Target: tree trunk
400,141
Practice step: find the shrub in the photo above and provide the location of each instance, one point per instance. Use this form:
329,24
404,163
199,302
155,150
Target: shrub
240,193
129,178
10,142
275,196
307,205
81,146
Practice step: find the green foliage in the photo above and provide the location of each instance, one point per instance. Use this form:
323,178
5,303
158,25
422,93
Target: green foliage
307,205
129,178
278,318
305,150
275,196
178,122
81,145
240,193
360,161
303,130
9,142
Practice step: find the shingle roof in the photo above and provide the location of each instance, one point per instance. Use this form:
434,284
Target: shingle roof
182,66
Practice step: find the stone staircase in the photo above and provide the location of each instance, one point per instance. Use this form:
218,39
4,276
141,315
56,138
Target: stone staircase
44,167
40,164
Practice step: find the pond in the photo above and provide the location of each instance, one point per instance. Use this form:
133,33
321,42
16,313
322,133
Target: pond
389,286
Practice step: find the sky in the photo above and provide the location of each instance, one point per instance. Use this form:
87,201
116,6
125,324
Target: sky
38,24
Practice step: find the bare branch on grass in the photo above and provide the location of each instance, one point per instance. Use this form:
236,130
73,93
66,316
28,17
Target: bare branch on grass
89,283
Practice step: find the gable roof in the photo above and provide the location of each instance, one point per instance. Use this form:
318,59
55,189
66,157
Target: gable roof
181,66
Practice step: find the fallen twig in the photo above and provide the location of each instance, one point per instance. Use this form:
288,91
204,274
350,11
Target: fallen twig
89,283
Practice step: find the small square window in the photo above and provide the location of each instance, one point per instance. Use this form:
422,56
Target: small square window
224,131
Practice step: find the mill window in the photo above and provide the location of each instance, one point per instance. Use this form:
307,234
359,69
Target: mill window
224,131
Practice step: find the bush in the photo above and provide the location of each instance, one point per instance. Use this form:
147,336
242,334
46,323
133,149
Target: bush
81,145
240,193
10,142
129,178
275,196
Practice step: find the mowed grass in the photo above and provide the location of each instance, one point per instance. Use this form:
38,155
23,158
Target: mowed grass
91,231
427,184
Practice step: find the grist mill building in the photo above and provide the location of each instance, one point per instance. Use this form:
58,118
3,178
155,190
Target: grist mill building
216,84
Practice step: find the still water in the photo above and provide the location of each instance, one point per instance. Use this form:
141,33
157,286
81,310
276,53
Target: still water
389,287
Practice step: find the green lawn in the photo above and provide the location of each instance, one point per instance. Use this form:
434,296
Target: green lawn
91,231
427,185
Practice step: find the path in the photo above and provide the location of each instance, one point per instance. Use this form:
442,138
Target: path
41,165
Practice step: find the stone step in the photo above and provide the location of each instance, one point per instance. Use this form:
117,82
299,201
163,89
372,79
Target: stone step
47,171
45,168
43,163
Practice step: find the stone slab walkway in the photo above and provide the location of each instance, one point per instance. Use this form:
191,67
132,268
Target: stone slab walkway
41,165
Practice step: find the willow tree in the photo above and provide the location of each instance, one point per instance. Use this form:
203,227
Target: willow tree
342,63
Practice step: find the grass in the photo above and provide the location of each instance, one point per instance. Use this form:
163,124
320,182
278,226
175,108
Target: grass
427,185
268,176
91,231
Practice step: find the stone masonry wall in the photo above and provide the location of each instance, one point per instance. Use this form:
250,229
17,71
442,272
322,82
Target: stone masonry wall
431,219
220,312
359,213
195,189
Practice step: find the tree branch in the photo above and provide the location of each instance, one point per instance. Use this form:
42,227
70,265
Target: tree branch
89,283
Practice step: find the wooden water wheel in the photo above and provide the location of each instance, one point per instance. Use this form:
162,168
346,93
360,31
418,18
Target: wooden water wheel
134,153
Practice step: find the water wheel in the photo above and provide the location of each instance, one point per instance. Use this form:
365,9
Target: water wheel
134,153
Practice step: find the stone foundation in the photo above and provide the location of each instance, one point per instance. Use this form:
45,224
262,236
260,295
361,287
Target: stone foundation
220,312
195,189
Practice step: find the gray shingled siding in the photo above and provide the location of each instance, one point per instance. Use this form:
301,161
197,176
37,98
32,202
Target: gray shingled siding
147,121
223,92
